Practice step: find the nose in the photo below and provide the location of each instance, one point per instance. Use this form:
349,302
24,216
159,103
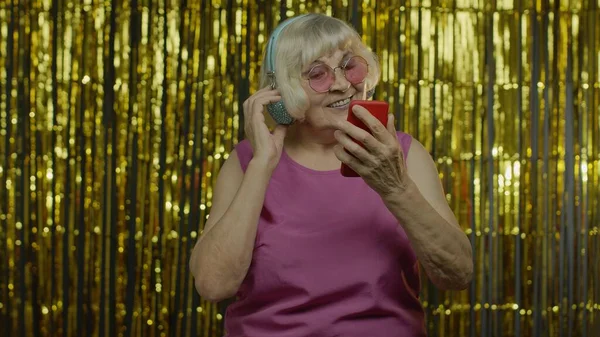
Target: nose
340,82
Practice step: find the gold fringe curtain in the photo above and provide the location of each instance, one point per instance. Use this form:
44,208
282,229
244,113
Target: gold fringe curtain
115,117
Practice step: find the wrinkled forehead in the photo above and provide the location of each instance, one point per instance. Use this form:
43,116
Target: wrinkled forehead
332,58
328,53
335,56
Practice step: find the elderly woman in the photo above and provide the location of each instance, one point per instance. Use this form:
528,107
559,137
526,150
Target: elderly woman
306,250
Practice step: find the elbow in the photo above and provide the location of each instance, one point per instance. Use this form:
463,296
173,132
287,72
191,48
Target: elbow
463,271
466,274
459,277
464,277
456,280
211,285
211,293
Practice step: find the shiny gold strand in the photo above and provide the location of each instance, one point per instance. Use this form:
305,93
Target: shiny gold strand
115,118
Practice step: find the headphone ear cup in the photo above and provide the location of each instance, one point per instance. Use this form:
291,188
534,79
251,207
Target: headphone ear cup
279,113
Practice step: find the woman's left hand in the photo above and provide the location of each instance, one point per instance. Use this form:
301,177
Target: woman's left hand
381,161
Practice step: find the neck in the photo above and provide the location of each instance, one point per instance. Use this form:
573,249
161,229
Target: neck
304,137
312,148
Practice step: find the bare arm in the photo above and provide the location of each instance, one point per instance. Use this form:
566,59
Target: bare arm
222,255
442,247
413,193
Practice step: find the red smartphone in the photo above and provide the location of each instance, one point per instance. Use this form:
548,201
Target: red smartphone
379,110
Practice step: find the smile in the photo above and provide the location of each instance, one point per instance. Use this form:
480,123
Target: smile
340,104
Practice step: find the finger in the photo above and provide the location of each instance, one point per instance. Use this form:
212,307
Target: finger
264,92
378,130
391,126
392,129
261,94
347,159
260,131
352,147
265,88
258,117
364,137
259,102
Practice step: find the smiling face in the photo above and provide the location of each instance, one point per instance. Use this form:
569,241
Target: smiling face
317,39
329,107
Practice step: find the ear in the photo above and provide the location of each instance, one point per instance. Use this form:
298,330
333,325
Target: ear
371,93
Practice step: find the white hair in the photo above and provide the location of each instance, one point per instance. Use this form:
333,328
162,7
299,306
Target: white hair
303,41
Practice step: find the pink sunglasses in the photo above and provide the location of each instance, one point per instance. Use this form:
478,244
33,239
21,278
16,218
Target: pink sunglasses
321,77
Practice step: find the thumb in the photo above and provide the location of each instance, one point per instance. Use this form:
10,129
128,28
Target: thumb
279,133
391,125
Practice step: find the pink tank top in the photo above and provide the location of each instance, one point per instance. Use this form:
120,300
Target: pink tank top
329,260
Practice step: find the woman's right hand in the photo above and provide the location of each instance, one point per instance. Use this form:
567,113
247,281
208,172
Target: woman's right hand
266,147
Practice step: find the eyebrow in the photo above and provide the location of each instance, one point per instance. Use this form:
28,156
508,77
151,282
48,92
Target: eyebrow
317,61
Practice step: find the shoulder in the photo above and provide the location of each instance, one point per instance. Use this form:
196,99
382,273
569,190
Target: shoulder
419,161
415,153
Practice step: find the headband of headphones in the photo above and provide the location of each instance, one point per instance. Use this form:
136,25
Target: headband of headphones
270,57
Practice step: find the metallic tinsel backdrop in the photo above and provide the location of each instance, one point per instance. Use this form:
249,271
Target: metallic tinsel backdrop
115,117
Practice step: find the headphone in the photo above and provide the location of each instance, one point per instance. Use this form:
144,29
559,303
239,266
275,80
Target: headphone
277,110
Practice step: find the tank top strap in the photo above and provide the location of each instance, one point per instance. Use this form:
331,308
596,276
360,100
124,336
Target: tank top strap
405,140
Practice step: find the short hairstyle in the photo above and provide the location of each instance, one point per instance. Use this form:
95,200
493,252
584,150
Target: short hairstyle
303,41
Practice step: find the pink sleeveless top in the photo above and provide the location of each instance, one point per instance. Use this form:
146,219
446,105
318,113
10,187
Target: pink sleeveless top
329,260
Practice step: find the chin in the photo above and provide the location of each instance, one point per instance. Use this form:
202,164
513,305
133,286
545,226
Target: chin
336,113
337,116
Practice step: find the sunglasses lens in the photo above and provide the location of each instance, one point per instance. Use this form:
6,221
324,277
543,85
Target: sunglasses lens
321,78
356,70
